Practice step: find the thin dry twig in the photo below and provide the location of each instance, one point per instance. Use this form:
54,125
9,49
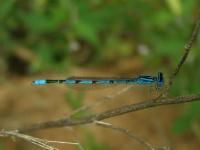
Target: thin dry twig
131,135
44,143
187,49
100,101
112,113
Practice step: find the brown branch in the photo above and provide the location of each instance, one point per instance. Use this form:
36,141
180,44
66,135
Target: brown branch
112,113
187,49
43,143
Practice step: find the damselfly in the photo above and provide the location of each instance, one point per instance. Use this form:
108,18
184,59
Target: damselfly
90,81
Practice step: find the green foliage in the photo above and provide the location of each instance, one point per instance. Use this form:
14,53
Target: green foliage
111,29
74,99
184,122
175,6
86,31
91,144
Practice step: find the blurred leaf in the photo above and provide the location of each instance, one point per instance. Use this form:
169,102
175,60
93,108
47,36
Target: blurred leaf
38,23
79,115
74,99
5,8
44,57
39,5
184,122
175,6
181,124
86,31
196,129
115,48
167,46
91,144
46,21
186,85
194,110
188,7
109,29
162,19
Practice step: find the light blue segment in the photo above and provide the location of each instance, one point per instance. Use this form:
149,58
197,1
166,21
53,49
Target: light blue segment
39,82
85,82
120,81
102,81
69,81
144,81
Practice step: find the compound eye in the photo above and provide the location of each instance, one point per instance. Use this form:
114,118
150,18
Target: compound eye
161,79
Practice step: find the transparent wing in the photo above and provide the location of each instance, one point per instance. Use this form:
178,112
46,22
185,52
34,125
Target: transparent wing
93,86
90,87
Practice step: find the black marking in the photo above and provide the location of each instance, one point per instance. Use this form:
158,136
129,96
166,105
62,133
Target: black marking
111,81
77,81
160,77
51,81
61,81
94,81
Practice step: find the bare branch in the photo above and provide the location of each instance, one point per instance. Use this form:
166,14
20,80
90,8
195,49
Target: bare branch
187,49
44,143
112,113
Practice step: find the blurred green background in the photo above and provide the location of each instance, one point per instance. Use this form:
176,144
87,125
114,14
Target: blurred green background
42,36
